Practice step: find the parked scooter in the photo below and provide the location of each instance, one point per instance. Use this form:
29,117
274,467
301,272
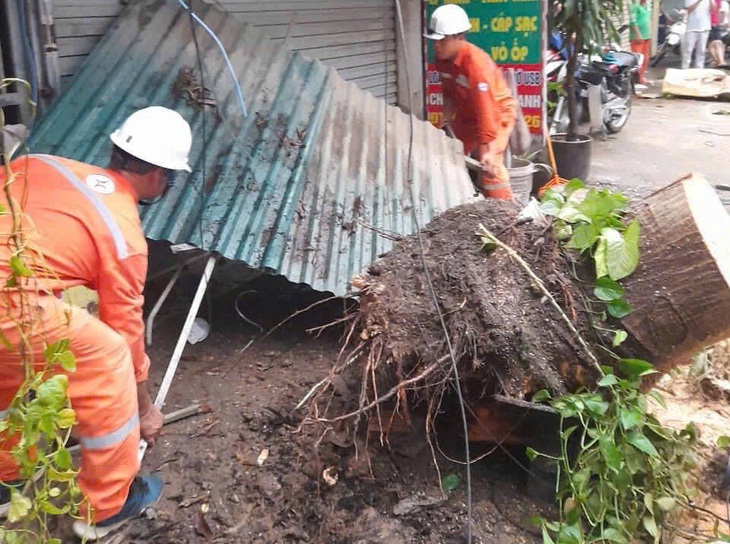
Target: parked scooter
607,83
673,40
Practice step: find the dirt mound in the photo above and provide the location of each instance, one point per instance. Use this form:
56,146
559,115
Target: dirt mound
505,335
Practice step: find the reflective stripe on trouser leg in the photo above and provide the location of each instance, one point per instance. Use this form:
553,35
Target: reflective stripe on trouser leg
103,394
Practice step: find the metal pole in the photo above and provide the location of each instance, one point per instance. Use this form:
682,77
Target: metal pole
182,339
160,301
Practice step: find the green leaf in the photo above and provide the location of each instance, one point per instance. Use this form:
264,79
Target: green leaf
562,231
622,251
65,418
55,349
67,361
608,380
630,417
619,337
618,308
571,214
546,538
18,267
572,186
600,256
63,459
552,202
541,396
607,289
450,482
536,521
657,396
723,442
613,535
596,405
642,443
666,503
52,392
20,506
650,525
633,368
649,502
531,454
611,454
584,236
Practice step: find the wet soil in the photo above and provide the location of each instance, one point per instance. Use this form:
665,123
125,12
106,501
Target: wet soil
219,488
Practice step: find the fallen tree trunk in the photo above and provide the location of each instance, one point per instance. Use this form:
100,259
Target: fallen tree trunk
505,336
680,292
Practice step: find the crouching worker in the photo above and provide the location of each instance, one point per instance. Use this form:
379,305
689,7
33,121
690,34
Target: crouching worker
478,104
84,223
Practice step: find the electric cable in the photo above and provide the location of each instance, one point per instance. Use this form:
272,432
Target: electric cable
422,251
227,60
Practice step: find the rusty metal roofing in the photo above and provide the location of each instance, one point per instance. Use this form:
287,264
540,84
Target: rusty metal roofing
312,184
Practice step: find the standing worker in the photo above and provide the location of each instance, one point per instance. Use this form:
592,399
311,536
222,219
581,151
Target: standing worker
641,34
83,228
478,104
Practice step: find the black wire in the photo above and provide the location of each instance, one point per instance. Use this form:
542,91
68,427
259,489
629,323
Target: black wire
201,194
452,355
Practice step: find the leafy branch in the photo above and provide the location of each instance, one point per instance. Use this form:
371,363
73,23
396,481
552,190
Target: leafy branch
590,221
39,419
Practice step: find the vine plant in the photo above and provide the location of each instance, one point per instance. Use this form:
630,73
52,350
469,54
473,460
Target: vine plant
39,419
621,474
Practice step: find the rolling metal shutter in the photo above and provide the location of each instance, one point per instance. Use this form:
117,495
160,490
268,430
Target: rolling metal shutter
356,37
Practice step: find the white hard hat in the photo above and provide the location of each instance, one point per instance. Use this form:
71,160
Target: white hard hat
156,135
448,20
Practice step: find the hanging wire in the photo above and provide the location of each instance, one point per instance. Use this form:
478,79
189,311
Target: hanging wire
422,251
237,85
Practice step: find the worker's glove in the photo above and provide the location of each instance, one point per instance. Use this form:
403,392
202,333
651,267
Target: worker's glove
150,424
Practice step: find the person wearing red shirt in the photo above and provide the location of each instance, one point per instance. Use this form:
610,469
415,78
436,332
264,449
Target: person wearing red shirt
478,104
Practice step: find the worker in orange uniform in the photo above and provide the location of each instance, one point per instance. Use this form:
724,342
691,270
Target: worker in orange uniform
478,104
83,222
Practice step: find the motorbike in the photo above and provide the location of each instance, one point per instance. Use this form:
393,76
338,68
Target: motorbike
673,40
603,86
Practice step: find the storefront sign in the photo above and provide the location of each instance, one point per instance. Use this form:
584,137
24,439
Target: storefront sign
511,32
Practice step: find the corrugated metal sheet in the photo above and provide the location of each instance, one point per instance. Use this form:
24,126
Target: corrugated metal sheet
308,185
357,37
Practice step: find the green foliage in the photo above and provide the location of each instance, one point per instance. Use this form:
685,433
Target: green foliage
621,473
40,417
590,221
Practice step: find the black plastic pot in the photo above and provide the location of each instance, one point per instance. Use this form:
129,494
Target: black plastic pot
573,158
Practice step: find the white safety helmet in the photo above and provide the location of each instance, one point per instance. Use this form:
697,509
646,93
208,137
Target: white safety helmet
156,135
448,20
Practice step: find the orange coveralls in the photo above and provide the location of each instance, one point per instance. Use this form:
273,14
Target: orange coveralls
82,221
484,109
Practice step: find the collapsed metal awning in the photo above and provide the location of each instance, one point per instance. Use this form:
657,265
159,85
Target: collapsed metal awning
311,184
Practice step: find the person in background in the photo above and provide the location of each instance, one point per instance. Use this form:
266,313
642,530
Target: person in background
641,34
719,19
695,38
478,105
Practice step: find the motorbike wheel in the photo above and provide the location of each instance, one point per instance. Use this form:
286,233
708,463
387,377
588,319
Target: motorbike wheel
616,124
659,55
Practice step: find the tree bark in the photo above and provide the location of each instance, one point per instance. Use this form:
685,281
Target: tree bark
680,292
